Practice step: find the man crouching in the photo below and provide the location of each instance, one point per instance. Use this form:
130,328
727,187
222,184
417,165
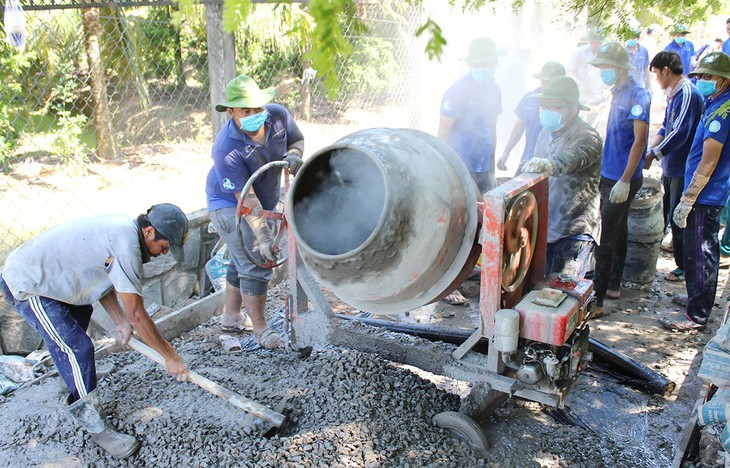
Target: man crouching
53,279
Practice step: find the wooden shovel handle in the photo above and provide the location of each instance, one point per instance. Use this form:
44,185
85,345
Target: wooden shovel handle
249,406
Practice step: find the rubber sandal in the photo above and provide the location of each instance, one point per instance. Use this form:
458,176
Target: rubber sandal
230,343
680,300
679,324
724,262
675,275
269,339
244,325
456,299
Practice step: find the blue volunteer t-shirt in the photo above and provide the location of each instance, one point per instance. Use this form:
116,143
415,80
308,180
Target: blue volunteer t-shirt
630,102
474,107
715,124
640,60
236,157
681,117
528,110
685,51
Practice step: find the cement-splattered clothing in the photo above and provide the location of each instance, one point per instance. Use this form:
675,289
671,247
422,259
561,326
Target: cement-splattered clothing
52,279
573,206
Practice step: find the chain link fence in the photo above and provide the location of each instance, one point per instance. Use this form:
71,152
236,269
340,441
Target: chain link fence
156,100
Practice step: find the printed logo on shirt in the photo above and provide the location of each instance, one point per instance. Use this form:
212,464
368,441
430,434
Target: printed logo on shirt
227,184
714,126
637,110
446,105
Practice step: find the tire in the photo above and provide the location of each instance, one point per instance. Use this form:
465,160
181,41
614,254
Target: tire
464,428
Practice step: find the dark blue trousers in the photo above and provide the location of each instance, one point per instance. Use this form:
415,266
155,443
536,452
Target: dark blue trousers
673,188
570,256
63,328
701,260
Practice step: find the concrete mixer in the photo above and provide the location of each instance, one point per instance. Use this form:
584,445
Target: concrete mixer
390,220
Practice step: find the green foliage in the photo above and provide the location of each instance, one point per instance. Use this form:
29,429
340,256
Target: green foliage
67,136
369,70
14,65
328,42
436,40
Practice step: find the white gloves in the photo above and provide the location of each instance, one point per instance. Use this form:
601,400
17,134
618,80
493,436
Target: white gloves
263,237
619,192
537,165
689,197
681,212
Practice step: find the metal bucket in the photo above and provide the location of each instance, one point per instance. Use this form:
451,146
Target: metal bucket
386,219
645,232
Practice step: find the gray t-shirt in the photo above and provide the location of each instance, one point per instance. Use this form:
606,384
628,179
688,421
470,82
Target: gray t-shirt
67,262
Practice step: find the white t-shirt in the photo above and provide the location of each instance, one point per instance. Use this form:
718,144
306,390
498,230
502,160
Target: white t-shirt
67,262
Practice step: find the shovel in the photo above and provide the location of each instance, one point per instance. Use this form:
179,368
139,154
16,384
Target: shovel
249,406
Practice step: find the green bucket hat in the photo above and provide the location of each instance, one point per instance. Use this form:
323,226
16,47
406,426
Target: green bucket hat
550,70
482,49
614,54
561,87
243,92
714,63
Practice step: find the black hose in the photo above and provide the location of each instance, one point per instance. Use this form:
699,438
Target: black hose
630,372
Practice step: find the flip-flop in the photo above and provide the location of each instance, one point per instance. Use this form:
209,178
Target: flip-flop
244,325
456,299
269,339
675,275
679,323
230,343
680,300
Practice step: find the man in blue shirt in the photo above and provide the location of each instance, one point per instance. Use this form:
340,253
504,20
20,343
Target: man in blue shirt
682,46
528,116
639,58
257,133
705,192
726,44
469,111
685,106
623,158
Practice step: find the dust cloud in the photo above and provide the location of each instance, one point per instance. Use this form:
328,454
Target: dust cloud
342,202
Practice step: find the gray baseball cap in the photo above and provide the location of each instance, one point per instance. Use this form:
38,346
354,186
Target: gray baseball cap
170,221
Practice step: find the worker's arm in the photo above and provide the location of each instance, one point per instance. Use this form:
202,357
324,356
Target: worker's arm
514,138
682,128
259,226
649,155
584,152
620,191
711,150
293,157
446,127
123,328
641,130
150,334
647,78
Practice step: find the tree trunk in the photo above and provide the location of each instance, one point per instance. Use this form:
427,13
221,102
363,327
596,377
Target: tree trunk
105,147
221,61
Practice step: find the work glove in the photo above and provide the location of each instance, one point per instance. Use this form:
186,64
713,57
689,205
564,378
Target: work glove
264,239
689,197
295,162
123,333
681,212
502,161
619,192
537,165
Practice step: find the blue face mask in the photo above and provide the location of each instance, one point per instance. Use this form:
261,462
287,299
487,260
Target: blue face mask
253,122
551,120
609,77
482,75
680,40
707,87
631,42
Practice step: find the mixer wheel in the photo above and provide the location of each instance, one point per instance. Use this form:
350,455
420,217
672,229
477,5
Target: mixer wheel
464,428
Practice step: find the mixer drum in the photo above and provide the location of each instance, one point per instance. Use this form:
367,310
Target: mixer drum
386,219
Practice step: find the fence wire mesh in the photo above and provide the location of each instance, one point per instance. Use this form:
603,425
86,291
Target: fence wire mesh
157,105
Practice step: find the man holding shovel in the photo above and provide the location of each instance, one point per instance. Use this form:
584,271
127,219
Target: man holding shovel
53,279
